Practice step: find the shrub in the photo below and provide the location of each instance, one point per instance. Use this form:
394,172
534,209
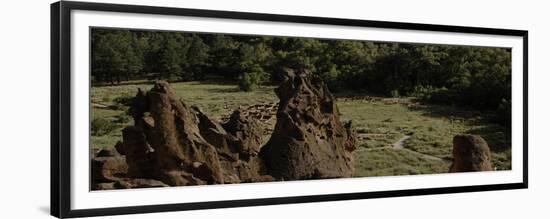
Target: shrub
122,118
123,100
333,79
432,94
102,126
121,103
394,93
253,78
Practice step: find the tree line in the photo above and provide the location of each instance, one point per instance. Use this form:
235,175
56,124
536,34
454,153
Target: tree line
474,76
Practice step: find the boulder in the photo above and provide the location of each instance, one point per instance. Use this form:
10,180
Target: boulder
309,141
108,169
106,152
470,153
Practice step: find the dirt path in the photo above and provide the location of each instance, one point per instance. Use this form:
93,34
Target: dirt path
400,145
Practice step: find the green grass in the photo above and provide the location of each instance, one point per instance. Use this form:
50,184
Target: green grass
391,162
215,99
111,138
375,118
430,127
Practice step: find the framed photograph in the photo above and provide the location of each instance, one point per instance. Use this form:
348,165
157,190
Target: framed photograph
168,109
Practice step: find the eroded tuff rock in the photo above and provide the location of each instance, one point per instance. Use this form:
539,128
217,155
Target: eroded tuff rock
173,144
108,168
470,153
178,145
308,141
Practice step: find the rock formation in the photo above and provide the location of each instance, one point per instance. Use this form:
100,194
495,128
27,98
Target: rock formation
470,153
174,144
264,113
110,171
108,168
309,141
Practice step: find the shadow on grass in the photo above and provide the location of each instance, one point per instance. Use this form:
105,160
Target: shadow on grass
498,137
446,111
223,89
137,82
233,89
355,95
215,81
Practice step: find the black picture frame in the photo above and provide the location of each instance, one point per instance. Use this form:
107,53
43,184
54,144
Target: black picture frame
61,110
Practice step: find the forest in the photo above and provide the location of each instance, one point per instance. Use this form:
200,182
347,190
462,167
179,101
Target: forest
476,77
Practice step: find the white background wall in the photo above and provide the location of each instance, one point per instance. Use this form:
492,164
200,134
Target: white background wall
24,108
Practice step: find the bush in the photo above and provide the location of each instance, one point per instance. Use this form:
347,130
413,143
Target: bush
122,118
333,79
394,93
121,103
432,94
102,126
252,79
124,100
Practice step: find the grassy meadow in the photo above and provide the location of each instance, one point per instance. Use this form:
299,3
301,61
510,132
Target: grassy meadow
380,123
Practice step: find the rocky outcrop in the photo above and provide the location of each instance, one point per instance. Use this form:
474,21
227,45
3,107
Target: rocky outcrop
173,144
181,155
309,141
237,144
264,113
470,153
110,171
108,168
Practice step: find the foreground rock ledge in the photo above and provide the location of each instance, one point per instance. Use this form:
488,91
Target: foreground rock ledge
309,141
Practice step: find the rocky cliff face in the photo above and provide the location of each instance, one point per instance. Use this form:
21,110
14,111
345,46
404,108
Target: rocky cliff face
309,141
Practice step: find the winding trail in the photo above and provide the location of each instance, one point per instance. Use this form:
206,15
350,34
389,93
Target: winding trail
400,145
